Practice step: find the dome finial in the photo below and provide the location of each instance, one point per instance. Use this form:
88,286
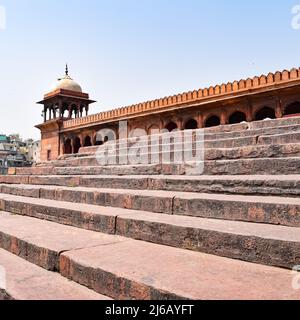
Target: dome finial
67,70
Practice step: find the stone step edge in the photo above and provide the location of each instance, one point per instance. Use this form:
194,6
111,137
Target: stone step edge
280,150
260,132
232,239
286,185
29,179
165,169
105,279
258,209
40,284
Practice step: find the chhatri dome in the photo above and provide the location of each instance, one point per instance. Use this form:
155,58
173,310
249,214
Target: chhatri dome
67,83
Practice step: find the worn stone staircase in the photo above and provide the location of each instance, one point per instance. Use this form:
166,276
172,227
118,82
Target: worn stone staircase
74,228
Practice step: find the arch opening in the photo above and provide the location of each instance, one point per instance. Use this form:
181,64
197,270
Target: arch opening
292,109
68,146
77,145
87,141
265,113
212,121
191,124
171,126
237,117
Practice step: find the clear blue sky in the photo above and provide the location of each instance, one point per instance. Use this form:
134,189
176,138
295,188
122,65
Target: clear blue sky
128,51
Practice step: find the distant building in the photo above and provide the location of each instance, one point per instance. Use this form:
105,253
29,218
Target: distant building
34,151
14,152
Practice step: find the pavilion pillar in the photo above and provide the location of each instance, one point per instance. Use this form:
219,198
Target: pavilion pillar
45,113
60,108
70,112
78,109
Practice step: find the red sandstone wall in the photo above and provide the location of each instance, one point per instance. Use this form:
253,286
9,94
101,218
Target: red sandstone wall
50,141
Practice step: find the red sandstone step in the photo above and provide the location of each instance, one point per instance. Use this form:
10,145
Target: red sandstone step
249,152
273,123
41,242
254,132
260,209
223,143
26,281
233,239
272,185
260,166
246,132
153,156
140,268
128,269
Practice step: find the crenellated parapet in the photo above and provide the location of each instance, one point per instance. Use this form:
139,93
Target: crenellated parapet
212,93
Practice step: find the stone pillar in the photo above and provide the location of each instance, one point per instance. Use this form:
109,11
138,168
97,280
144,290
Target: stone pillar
161,124
279,108
223,118
78,110
200,121
60,106
249,113
62,146
81,137
45,113
72,144
180,124
70,112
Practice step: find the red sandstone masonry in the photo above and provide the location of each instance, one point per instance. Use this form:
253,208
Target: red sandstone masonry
284,185
26,281
147,271
128,269
260,166
271,210
239,240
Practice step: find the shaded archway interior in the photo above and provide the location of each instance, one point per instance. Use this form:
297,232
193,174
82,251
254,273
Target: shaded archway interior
212,121
292,109
77,145
171,126
191,124
265,113
237,117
